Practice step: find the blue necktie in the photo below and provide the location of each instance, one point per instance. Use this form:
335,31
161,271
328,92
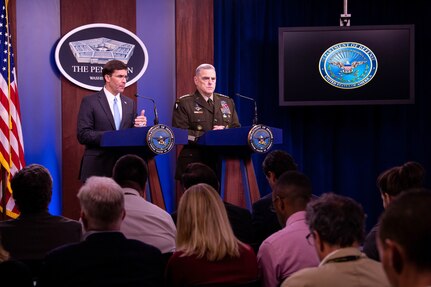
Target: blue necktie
117,117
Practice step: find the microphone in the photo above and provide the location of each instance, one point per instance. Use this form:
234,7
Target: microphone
156,115
255,106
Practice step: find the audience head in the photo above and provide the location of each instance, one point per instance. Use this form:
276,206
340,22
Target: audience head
102,204
131,171
404,237
276,163
393,181
335,222
197,172
32,189
203,228
291,193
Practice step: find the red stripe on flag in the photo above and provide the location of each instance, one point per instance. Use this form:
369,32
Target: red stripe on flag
11,141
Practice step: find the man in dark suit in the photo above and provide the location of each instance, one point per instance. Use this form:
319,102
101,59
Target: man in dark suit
200,112
107,110
239,218
35,232
106,257
264,218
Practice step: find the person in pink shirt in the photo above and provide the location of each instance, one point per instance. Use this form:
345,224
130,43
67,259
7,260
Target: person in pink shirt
287,250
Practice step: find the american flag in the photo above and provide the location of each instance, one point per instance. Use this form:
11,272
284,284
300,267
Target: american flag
11,141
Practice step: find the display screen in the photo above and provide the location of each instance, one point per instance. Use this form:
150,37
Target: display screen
362,65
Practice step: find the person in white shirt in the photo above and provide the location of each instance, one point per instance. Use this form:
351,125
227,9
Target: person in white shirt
144,221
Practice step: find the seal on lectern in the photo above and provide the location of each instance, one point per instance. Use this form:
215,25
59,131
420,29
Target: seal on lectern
260,138
160,139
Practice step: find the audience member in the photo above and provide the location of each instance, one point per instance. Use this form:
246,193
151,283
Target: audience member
239,218
287,250
391,183
264,219
337,226
35,232
13,272
106,257
207,250
404,239
144,221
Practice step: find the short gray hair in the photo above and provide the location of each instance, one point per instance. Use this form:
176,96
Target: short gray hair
102,200
204,67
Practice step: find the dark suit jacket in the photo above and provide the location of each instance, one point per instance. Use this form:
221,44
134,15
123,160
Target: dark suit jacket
31,236
193,113
240,220
103,259
370,245
265,221
95,118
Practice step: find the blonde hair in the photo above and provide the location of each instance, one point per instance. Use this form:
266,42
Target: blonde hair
203,228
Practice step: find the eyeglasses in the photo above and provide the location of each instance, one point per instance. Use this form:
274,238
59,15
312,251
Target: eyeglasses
310,238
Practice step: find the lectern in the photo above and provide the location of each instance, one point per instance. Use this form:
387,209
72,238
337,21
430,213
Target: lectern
147,142
235,147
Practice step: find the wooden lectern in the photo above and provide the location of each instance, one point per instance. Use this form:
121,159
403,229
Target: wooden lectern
238,179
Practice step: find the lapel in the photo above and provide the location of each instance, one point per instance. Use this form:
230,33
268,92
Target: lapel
125,107
107,110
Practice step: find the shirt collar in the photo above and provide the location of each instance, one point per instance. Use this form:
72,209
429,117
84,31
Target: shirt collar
297,216
342,252
109,96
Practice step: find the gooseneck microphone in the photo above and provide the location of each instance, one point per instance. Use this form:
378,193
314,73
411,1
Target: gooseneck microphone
156,115
255,106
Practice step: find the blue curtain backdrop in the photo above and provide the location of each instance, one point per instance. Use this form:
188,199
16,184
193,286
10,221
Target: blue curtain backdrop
341,148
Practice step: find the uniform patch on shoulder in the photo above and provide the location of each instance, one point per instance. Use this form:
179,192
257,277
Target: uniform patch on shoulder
221,95
186,96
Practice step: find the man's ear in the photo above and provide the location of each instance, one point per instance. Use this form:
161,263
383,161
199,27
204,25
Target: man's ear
386,198
397,255
318,242
84,220
271,178
124,214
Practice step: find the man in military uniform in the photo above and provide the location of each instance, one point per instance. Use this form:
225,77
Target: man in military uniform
200,112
